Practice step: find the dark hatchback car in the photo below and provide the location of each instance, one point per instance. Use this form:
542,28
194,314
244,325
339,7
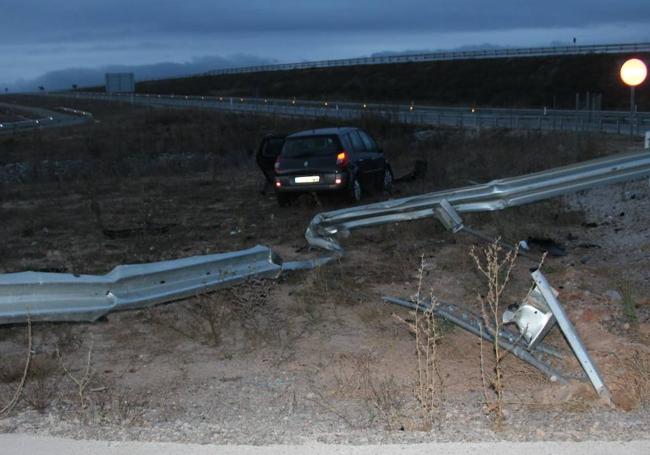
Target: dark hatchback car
344,160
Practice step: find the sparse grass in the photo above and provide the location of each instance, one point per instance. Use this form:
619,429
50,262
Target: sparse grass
85,376
214,318
327,286
359,378
15,397
633,380
43,382
629,303
115,407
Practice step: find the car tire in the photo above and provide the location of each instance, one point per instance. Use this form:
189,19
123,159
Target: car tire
387,184
355,192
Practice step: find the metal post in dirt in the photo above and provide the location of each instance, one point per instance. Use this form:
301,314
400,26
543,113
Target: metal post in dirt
632,110
571,335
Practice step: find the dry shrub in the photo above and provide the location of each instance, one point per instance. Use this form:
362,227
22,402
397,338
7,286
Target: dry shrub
43,381
208,318
115,407
429,385
22,378
633,381
84,376
429,389
359,378
495,265
333,284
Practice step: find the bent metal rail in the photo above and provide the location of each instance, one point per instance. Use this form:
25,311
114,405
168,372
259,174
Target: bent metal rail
491,196
65,297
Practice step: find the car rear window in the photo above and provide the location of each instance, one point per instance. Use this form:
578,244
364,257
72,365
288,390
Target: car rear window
311,146
273,147
357,143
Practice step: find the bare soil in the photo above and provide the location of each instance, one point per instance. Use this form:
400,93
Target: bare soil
317,355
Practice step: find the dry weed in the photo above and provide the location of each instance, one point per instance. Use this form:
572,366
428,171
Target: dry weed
634,380
41,387
495,264
87,374
359,378
16,396
429,390
429,387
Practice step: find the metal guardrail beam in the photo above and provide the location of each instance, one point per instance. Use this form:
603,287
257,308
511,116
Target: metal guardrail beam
495,195
67,297
443,56
571,335
49,297
614,122
474,324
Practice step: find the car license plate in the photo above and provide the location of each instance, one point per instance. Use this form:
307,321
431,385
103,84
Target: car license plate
308,179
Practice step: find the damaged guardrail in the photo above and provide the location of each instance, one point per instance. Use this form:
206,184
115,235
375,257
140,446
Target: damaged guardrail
534,323
496,195
66,297
473,323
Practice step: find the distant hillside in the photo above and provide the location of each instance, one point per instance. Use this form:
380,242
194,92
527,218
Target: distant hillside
516,82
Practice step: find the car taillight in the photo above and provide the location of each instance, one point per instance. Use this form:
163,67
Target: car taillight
342,159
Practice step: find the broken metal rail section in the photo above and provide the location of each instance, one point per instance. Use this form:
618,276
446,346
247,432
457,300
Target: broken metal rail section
536,353
465,319
66,297
495,195
571,335
41,296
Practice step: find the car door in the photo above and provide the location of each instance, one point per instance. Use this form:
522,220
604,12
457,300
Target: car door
376,162
267,153
361,157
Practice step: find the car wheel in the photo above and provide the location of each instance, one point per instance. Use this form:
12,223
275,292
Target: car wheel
355,190
388,181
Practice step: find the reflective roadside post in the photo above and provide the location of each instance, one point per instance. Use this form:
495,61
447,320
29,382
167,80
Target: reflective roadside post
633,73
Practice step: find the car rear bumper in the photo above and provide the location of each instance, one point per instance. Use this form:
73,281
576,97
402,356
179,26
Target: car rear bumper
326,182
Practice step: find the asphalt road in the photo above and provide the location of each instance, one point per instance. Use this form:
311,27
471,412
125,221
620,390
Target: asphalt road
21,444
42,118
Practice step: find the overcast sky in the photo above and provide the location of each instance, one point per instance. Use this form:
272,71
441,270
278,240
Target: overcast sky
54,42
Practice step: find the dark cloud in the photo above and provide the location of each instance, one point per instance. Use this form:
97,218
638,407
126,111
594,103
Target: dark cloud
39,36
69,20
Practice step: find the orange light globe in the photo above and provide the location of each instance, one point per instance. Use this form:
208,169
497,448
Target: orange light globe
633,72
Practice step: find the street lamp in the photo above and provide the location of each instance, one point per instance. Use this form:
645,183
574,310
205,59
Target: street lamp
633,73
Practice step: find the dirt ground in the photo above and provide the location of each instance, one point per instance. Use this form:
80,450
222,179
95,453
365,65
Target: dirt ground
316,355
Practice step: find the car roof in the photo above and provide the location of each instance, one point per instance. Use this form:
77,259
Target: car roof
323,131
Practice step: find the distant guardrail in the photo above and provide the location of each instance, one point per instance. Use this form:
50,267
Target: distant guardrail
625,48
44,119
614,122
